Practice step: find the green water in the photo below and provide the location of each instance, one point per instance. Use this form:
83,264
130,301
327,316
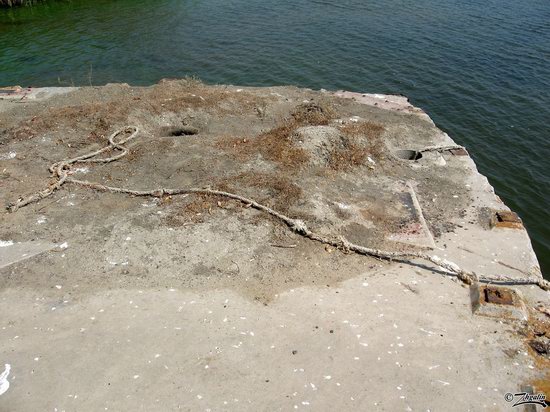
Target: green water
481,69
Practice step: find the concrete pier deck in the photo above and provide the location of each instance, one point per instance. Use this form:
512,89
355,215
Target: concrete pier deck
113,302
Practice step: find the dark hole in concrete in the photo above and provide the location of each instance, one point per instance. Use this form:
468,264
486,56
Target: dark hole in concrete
498,296
178,131
540,345
406,154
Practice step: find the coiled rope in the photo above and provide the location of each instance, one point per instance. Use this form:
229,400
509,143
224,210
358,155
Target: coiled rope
61,171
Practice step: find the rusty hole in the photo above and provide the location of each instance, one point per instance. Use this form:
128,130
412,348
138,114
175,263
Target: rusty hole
506,218
407,154
498,296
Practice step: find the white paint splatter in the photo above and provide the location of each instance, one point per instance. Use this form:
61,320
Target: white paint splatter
4,383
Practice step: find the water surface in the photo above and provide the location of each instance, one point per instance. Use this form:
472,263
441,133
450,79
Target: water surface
481,69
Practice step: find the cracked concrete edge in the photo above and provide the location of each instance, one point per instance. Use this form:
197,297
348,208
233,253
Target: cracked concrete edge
516,241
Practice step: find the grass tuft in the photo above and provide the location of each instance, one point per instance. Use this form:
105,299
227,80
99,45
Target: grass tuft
361,139
277,144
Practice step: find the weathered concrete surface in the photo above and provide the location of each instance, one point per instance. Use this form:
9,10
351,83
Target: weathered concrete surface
202,304
390,349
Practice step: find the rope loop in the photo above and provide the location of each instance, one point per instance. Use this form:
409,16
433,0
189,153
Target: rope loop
60,172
